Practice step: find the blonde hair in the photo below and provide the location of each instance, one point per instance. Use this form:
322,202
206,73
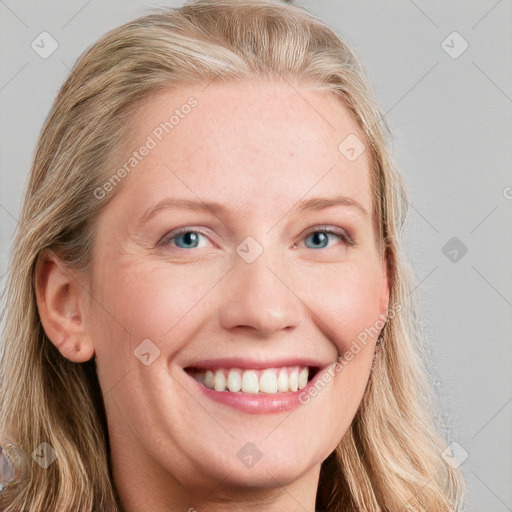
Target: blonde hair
390,458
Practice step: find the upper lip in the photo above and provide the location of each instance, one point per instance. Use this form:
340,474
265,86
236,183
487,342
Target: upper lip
256,364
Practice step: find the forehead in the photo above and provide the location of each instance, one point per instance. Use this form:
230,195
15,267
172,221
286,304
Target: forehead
246,144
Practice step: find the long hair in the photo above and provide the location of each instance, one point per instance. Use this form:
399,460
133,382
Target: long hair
390,459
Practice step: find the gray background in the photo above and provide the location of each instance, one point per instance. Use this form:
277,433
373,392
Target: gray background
452,122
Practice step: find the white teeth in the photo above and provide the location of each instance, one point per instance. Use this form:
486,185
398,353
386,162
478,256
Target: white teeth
219,381
303,378
235,380
208,379
294,380
282,381
270,380
250,382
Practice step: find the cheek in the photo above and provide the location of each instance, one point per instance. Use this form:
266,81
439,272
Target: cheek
145,301
346,301
153,301
345,304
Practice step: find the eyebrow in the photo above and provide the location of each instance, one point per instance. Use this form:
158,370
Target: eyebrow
313,204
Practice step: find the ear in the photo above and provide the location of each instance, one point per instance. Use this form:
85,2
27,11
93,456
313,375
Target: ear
62,302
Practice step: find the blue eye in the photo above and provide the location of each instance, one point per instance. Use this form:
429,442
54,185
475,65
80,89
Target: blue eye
321,237
186,239
190,239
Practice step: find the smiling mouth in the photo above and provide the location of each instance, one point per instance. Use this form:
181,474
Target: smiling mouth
257,381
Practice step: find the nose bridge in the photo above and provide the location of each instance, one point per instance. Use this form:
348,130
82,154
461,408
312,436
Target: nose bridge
258,295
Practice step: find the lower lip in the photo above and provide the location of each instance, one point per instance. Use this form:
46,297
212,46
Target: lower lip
260,403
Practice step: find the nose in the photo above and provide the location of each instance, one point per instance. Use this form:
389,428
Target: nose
259,298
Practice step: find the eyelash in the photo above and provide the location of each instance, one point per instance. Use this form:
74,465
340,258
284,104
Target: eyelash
340,233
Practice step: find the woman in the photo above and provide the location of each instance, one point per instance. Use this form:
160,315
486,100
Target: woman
208,306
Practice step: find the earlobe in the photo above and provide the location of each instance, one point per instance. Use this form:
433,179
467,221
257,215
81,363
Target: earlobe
61,305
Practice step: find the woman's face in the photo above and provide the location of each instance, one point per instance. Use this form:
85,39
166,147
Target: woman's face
251,284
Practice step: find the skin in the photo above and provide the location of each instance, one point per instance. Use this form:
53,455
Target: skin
257,148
